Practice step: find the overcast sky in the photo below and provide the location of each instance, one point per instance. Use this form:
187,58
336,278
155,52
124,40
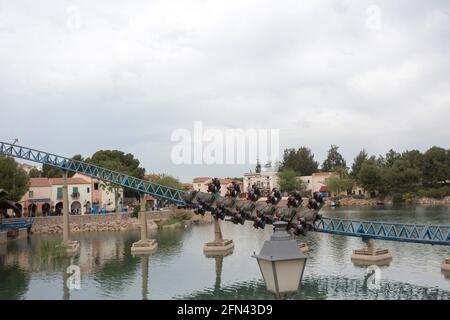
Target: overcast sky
79,76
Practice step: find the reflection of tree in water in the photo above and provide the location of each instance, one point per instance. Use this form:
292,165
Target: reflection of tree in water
13,283
170,241
115,275
322,287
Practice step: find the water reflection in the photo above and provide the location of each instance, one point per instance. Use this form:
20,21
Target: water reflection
34,269
144,264
323,288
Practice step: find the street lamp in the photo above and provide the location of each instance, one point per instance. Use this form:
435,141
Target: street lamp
281,261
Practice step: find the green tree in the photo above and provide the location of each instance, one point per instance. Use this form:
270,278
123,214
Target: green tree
13,178
118,161
165,180
357,163
415,158
34,173
402,176
288,181
370,176
391,157
436,166
334,160
301,161
338,184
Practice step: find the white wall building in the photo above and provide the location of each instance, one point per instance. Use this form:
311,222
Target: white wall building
265,180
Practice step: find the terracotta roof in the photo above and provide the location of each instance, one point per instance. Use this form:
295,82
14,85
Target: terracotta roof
80,176
39,182
200,180
59,181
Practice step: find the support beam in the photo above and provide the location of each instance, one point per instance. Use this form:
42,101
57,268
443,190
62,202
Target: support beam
370,255
218,245
70,247
145,245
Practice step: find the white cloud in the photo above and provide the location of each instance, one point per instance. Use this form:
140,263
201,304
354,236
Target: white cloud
125,75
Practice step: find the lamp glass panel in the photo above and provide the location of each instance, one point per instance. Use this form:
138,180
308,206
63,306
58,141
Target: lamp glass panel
268,274
289,274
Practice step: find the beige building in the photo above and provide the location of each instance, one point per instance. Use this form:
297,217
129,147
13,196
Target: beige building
45,196
316,182
265,180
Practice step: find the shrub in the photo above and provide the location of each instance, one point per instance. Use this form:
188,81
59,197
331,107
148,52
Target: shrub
437,193
408,197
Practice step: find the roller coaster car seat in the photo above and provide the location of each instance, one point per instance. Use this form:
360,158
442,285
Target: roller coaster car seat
318,197
312,204
239,217
301,228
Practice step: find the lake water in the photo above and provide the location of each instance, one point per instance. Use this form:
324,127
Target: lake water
179,269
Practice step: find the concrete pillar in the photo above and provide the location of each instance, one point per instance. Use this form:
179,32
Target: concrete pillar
66,230
70,247
218,245
143,219
370,255
145,245
217,231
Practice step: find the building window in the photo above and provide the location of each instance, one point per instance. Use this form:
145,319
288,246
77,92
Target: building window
95,186
30,194
59,193
88,190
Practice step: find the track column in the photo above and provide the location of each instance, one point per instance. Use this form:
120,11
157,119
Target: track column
145,245
70,247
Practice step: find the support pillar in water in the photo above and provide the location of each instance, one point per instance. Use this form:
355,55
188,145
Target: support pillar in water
145,245
370,255
218,245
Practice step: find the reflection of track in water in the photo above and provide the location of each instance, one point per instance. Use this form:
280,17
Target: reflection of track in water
319,288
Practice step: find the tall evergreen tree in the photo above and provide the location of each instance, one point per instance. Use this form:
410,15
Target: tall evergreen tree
357,163
301,161
334,160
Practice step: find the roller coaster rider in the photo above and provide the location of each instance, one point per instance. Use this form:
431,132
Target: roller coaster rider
254,193
294,200
274,197
234,190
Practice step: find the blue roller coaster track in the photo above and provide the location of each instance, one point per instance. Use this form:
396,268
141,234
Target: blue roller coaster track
424,234
117,178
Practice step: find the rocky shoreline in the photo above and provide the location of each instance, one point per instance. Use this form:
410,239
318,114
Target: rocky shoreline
348,202
113,222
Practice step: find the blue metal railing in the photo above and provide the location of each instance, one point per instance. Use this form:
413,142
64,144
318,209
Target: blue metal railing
16,223
425,234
